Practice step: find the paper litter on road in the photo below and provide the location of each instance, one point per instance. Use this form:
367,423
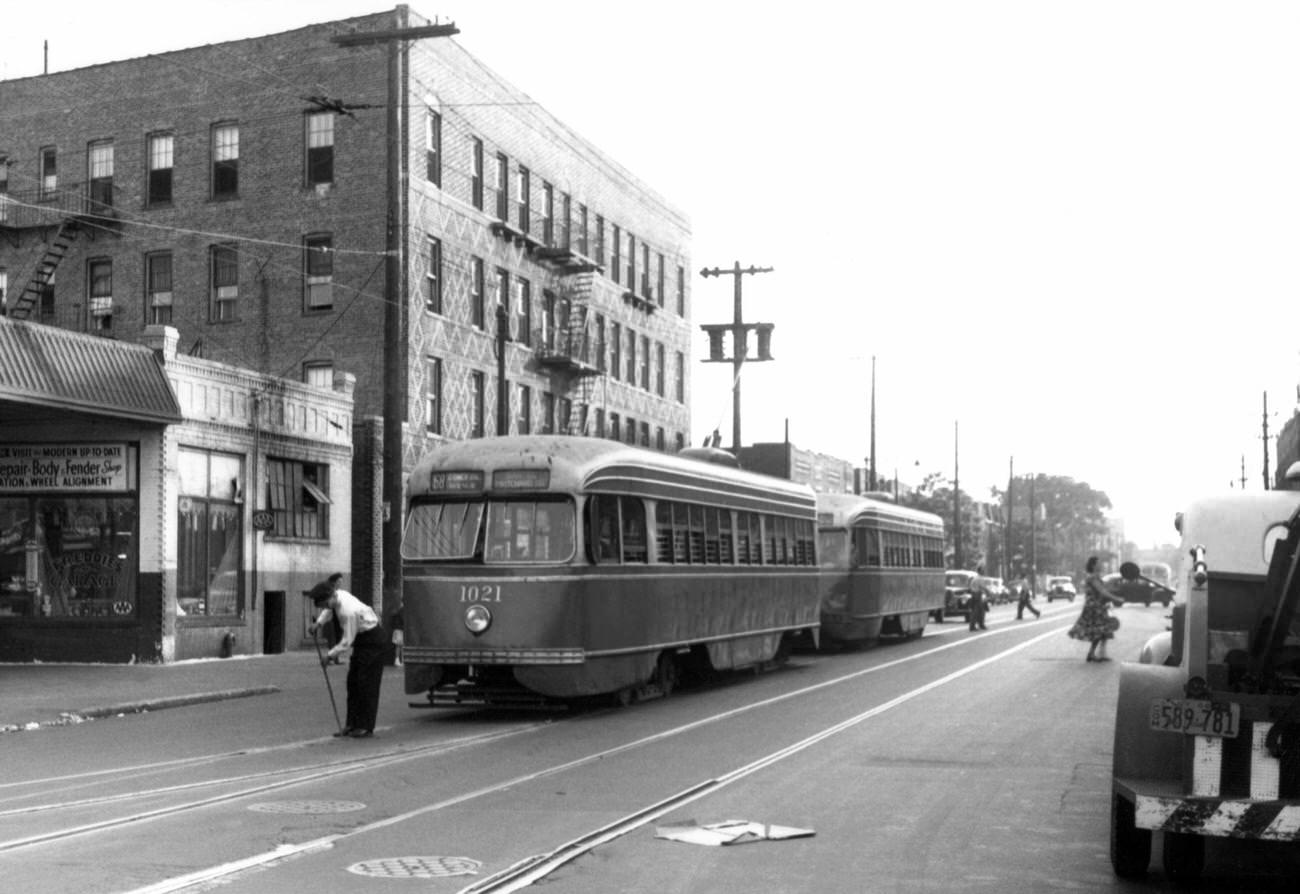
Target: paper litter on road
728,832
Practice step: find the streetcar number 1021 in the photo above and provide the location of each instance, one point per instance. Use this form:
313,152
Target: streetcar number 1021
480,592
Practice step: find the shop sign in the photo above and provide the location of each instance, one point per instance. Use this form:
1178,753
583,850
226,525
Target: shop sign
63,467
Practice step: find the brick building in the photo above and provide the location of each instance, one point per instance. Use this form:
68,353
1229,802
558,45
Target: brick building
242,194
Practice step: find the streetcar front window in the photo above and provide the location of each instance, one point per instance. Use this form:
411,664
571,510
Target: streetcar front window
530,531
442,531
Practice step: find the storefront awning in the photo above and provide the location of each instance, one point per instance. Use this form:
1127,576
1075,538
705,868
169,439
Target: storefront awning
51,368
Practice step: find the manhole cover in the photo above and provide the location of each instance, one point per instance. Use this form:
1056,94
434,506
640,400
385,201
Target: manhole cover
307,806
416,867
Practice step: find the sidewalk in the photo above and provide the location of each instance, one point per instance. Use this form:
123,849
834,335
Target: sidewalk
53,694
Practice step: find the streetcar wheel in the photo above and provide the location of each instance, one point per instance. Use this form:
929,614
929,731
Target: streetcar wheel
938,616
665,678
1130,847
1184,857
625,696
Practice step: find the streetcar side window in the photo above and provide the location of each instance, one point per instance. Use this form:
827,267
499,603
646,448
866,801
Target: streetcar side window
742,538
604,512
711,548
664,531
725,543
755,539
442,531
632,511
680,530
697,535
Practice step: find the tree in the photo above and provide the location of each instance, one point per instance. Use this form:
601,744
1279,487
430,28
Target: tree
1069,523
935,495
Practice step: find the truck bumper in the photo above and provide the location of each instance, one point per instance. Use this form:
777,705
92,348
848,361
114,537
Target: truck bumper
1160,807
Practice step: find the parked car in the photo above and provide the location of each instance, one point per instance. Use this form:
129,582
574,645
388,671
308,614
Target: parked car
994,590
1135,587
958,589
1060,588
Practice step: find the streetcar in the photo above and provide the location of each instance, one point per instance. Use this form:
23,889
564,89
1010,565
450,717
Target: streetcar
882,568
545,568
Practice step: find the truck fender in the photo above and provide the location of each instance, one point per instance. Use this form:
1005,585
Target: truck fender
1142,753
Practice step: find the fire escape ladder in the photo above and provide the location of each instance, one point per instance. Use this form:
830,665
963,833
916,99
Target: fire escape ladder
55,252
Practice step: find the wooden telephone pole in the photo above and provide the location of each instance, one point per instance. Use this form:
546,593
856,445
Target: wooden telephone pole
739,340
396,347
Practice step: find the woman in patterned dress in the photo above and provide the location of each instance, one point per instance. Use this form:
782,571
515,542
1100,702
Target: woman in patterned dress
1095,623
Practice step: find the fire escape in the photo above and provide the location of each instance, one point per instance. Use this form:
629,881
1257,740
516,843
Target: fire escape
60,217
569,353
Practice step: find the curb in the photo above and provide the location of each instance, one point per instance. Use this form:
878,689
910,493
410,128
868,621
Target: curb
83,715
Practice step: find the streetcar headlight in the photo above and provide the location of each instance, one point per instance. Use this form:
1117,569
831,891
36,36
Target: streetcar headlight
477,619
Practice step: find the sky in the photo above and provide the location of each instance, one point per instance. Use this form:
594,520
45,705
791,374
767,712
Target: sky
1065,231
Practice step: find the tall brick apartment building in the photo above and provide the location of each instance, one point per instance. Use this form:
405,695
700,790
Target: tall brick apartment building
242,193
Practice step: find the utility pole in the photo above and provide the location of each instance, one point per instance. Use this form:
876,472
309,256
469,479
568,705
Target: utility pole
739,340
871,475
396,347
1033,540
1266,483
1006,531
956,501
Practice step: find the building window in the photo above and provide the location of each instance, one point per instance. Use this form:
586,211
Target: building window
630,277
433,278
503,186
433,394
501,290
162,161
4,194
225,283
320,148
660,369
100,279
318,263
523,305
660,442
99,173
478,394
524,200
209,533
319,374
566,221
645,434
158,286
524,421
630,377
643,367
645,272
582,229
680,378
629,430
679,441
433,148
225,161
660,282
600,422
615,432
615,350
49,171
600,342
548,413
681,291
476,172
616,258
548,319
599,246
564,415
548,214
477,300
4,283
298,496
209,557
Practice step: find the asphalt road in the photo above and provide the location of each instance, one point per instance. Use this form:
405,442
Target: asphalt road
960,761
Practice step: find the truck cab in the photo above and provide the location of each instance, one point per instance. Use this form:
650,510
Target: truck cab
1207,726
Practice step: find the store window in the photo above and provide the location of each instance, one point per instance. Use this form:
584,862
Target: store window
209,557
68,531
298,495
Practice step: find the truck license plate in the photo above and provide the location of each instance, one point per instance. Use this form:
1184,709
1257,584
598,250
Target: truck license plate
1196,717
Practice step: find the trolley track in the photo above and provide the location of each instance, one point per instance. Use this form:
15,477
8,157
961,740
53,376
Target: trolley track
536,867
